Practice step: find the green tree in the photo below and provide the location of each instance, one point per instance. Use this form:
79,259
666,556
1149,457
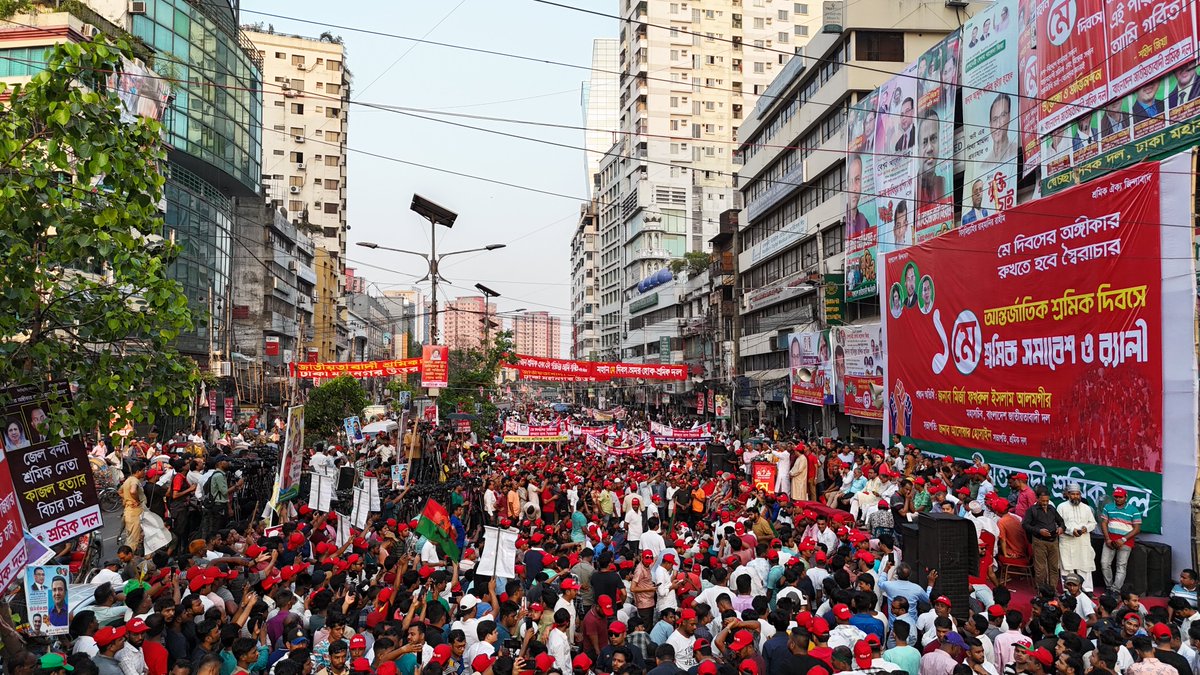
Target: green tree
695,262
473,375
331,403
83,265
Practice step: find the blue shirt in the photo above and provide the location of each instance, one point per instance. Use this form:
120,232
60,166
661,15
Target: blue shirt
868,624
661,631
901,588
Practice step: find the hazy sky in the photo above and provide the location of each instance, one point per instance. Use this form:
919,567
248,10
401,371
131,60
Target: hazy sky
533,272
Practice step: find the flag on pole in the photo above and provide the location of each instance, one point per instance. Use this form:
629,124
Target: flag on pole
435,526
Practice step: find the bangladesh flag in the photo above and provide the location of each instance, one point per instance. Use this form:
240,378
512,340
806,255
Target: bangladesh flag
435,526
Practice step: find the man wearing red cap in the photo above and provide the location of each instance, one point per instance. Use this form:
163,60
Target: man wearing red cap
1120,523
595,626
683,639
1025,497
641,585
109,641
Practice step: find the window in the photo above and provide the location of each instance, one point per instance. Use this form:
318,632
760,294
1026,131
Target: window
801,8
758,67
297,108
674,101
332,113
333,136
759,23
295,207
277,152
298,85
279,127
809,254
278,104
783,15
333,89
331,184
333,65
331,207
879,45
332,160
296,181
280,55
783,38
298,157
801,31
298,60
297,131
831,240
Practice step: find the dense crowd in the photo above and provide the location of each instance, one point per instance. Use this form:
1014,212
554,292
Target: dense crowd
660,563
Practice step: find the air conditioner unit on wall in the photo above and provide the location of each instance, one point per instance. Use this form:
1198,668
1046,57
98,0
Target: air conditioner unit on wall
299,139
137,7
300,166
295,189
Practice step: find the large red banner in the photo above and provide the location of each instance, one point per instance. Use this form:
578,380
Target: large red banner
1073,57
435,366
592,371
359,369
1037,331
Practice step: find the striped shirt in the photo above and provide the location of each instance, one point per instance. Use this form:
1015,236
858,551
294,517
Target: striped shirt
1121,519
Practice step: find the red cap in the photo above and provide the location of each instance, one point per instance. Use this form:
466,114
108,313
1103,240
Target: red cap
647,557
748,667
996,611
358,642
1160,631
1120,492
582,662
108,635
441,654
305,509
866,557
549,559
361,665
707,668
842,612
942,600
686,614
605,604
819,626
1042,656
544,662
570,584
616,627
387,668
137,626
862,654
741,640
296,540
482,662
254,551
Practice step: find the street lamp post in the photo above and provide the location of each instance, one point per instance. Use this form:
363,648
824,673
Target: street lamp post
436,215
487,320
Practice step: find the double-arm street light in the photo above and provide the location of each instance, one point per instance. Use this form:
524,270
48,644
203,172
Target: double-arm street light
436,215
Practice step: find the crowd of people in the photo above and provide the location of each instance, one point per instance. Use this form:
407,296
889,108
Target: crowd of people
660,563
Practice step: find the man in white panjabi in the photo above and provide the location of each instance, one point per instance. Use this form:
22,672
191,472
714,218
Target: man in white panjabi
783,468
1075,545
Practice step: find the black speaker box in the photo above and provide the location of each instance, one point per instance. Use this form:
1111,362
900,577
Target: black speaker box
950,545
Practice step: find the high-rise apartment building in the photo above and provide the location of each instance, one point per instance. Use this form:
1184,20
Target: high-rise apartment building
415,324
537,334
465,322
304,123
601,109
692,70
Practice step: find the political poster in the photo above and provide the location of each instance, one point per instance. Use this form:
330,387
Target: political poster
51,477
353,428
291,464
763,475
861,215
1147,40
806,375
833,362
937,81
13,554
46,599
1036,340
435,366
990,116
1157,119
863,374
1029,108
1073,61
722,407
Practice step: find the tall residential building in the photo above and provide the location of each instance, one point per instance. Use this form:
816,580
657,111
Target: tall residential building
537,334
211,113
416,318
306,96
599,99
466,320
692,70
793,183
585,298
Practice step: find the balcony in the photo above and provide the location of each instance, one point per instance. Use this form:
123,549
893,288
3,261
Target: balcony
651,254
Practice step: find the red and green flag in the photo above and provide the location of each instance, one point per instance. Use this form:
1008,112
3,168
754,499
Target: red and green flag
435,526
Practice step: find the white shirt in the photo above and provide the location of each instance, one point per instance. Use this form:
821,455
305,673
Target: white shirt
468,628
563,603
86,644
429,554
633,525
480,647
559,647
489,502
685,656
106,576
653,541
666,597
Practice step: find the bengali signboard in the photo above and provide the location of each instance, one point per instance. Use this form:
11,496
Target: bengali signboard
776,242
1037,337
1147,38
358,369
435,366
835,304
806,375
520,432
665,434
51,478
861,216
989,111
763,474
13,553
1161,117
862,346
1072,59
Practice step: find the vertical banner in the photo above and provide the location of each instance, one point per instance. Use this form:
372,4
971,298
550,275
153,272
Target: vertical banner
806,376
52,480
46,599
13,553
933,188
229,405
1073,59
353,429
435,366
1040,343
863,379
712,401
499,556
291,464
1029,108
989,111
833,363
699,403
861,215
722,406
835,304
